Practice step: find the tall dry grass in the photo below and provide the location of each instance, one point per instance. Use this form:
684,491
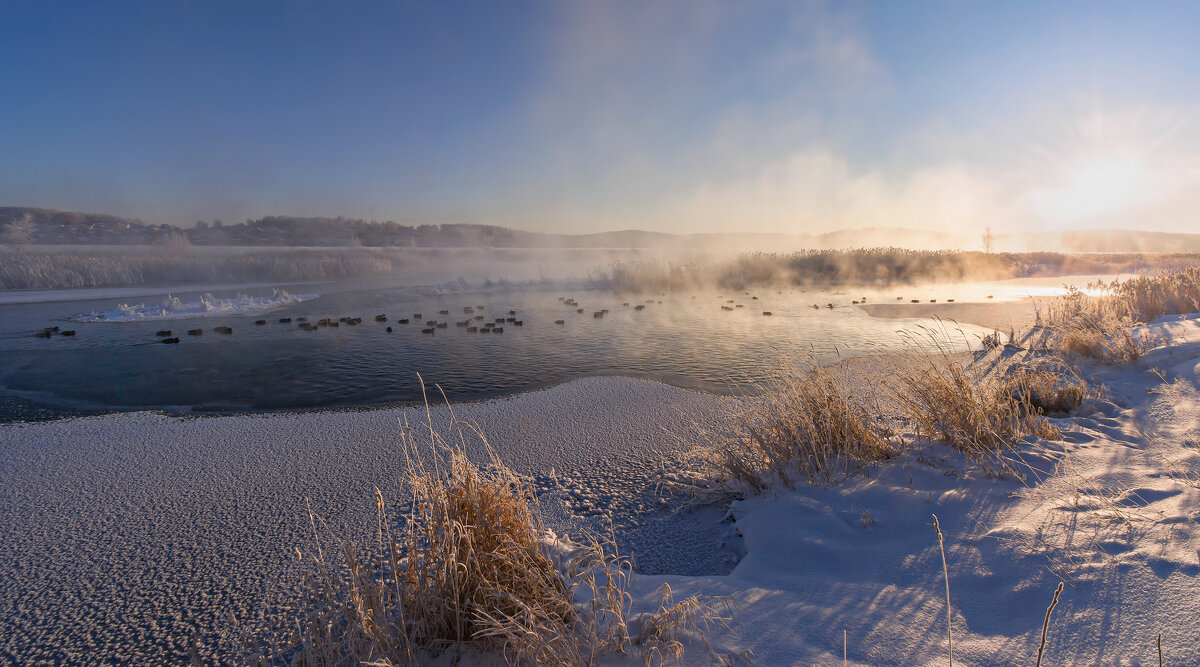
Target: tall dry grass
805,427
872,266
1079,325
1145,298
1096,323
981,414
471,570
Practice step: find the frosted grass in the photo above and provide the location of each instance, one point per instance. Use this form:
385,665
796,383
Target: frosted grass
172,308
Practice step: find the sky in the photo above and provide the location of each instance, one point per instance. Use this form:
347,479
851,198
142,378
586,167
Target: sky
691,116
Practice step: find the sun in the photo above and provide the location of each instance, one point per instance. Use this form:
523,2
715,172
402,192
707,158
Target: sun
1093,187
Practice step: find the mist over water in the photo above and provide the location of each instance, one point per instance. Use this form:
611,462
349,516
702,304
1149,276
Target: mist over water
710,340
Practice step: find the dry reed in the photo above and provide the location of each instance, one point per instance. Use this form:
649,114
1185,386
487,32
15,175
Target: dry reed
471,569
1096,325
945,573
979,415
804,426
1046,623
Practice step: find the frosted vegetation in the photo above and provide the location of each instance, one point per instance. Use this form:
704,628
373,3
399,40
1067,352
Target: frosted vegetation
172,308
66,268
1002,415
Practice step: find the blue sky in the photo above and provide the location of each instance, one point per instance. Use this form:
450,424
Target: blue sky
582,116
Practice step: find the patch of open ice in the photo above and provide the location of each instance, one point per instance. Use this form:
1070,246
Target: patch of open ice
172,308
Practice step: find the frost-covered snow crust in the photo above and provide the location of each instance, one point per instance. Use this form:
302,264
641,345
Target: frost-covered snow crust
122,536
172,308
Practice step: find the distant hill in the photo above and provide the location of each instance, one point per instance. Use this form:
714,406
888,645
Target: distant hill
75,228
1102,240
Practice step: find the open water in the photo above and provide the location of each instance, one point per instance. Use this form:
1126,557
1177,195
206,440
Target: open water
711,341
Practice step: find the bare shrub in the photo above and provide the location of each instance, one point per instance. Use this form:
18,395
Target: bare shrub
18,233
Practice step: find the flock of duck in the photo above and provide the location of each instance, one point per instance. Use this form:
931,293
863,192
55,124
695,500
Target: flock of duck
474,322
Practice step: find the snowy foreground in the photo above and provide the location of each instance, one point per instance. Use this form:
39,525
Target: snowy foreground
1117,519
125,536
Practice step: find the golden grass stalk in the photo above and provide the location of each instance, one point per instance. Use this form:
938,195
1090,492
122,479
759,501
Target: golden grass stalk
470,568
1096,326
806,426
977,414
946,574
1046,623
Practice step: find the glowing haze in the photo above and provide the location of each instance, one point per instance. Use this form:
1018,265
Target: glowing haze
589,116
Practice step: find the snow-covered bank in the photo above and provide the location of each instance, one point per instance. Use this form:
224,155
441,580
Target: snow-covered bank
125,535
1118,521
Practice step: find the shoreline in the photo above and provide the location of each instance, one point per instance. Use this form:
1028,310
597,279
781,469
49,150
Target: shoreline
1001,316
179,522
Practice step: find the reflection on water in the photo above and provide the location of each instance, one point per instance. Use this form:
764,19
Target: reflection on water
709,341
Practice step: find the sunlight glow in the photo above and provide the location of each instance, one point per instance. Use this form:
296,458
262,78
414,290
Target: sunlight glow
1094,187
